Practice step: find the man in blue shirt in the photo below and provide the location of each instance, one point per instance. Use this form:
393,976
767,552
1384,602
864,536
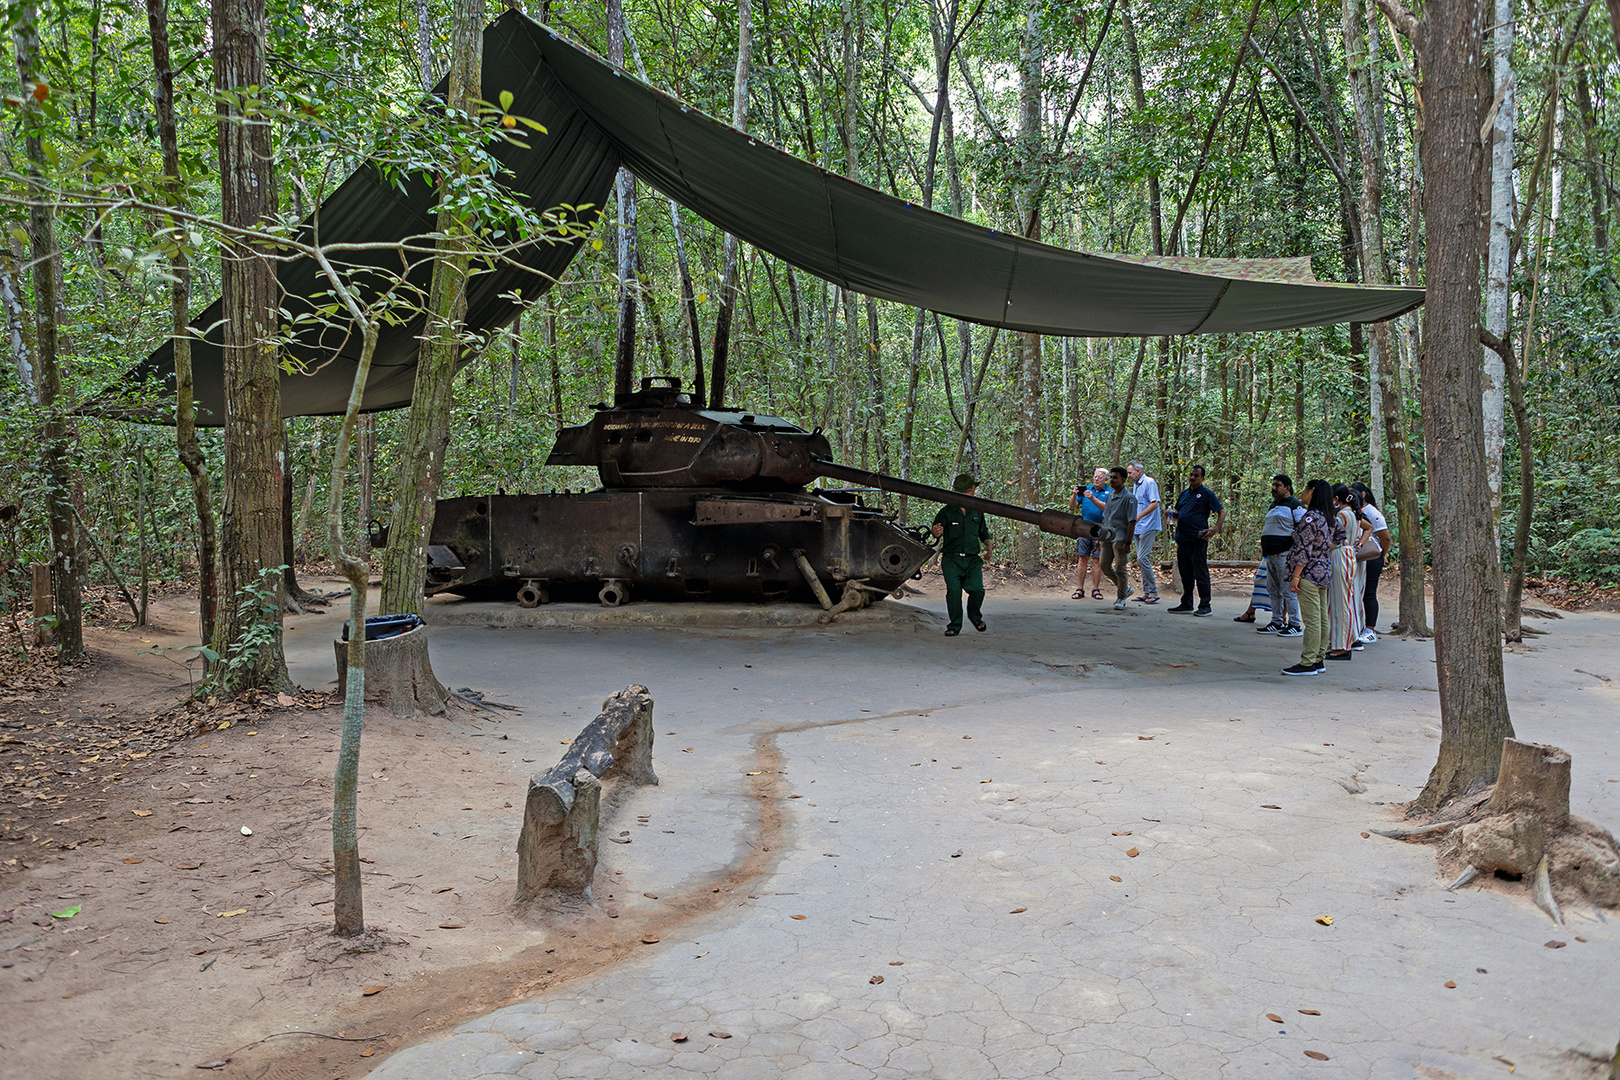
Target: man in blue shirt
1148,524
1090,502
1193,531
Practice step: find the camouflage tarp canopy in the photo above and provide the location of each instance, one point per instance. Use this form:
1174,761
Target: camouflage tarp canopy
599,118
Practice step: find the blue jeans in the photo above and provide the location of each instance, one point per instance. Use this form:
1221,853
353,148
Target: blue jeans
1284,604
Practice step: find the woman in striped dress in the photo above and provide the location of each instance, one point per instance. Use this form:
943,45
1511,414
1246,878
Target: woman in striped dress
1344,615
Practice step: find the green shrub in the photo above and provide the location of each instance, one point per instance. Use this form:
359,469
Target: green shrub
1590,555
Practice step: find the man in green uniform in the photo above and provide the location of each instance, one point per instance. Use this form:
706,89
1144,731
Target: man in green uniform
963,531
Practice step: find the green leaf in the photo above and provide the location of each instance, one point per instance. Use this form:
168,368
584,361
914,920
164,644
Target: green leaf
67,913
533,124
506,100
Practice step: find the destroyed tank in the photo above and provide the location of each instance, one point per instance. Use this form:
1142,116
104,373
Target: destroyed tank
695,504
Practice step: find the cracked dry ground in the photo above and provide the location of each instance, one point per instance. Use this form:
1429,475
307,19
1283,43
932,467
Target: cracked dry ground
875,852
1096,851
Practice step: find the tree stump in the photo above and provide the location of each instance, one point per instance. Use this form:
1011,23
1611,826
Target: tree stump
399,674
557,847
1527,817
44,603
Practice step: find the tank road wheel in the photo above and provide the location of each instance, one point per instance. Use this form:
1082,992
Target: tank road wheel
892,559
614,592
532,594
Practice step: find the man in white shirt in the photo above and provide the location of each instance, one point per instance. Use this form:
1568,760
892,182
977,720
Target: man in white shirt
1148,524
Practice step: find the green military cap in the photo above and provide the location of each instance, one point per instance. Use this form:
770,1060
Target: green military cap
964,482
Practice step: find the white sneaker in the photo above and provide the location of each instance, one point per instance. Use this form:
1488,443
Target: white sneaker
1119,605
1368,637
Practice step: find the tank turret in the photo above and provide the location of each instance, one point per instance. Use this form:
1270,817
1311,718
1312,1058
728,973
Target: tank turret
695,503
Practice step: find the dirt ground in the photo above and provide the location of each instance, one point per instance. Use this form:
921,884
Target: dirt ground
165,892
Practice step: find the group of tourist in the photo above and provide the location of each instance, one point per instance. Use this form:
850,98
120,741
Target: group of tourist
1321,556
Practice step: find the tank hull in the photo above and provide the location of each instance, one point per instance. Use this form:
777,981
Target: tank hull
665,544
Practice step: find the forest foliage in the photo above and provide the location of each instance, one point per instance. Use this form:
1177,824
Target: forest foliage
1271,169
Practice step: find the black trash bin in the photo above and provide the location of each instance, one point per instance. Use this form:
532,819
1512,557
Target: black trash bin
385,626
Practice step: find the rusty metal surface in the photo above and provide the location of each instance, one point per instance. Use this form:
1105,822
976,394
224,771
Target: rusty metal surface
695,504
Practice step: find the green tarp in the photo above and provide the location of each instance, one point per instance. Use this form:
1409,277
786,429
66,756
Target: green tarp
599,118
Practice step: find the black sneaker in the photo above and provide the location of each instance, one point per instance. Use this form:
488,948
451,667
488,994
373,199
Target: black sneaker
1302,669
1179,609
1291,631
1269,628
1203,613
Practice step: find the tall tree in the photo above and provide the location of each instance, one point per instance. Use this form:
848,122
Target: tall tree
1027,395
250,525
427,431
1498,246
1366,97
185,411
47,391
624,352
728,271
1467,570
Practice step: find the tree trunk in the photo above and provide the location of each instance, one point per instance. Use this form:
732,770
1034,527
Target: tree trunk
250,533
1498,248
624,352
728,272
427,431
1467,573
55,432
1027,433
1360,42
185,414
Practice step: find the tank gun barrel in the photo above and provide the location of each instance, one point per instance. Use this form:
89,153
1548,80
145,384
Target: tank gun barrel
1049,521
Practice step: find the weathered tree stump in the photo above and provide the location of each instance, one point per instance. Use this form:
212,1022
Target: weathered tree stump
44,602
399,674
557,847
1527,818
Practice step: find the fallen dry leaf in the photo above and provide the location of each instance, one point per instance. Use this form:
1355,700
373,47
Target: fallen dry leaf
897,963
1450,985
1270,806
371,990
1115,877
1365,835
650,895
368,1051
445,888
874,980
1018,911
1580,939
1325,920
1132,853
452,926
1316,1055
801,918
1309,1012
679,1036
649,939
1274,1018
619,839
756,772
132,862
719,1034
165,922
186,866
1556,944
148,813
1149,738
229,914
217,1063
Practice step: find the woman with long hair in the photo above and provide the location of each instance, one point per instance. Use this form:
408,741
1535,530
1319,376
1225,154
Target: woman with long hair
1344,613
1310,568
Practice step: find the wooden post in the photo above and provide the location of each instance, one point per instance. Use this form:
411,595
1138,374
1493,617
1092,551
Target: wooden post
557,847
44,607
